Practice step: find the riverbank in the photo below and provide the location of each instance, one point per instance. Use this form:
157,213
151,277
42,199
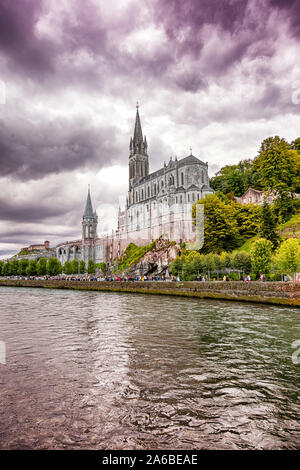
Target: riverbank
276,293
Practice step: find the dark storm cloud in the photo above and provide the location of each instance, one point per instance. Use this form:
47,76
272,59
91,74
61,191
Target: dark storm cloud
189,62
18,41
27,211
292,10
184,23
31,150
188,26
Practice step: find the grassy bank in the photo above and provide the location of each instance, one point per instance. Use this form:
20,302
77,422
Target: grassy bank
275,293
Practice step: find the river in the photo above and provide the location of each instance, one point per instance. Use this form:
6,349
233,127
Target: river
129,371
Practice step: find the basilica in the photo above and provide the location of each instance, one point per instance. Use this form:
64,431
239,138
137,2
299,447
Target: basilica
158,203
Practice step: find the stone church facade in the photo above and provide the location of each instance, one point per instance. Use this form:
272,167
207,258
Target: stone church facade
158,203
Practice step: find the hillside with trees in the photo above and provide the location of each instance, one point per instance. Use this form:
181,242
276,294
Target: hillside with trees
243,238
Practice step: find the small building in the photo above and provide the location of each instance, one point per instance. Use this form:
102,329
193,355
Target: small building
45,246
255,196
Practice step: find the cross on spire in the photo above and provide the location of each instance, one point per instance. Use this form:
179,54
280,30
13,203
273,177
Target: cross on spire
191,150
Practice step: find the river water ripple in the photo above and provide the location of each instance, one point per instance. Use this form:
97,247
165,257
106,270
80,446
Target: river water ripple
88,370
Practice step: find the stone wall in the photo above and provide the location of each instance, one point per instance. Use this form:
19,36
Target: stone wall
276,293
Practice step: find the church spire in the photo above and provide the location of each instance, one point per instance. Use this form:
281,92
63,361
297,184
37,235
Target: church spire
88,212
137,143
89,219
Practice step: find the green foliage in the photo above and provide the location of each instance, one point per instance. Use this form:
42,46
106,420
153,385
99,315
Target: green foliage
235,179
241,261
296,144
74,266
275,165
23,265
261,255
287,257
42,267
278,167
176,266
54,267
32,268
220,226
82,267
102,267
248,219
91,266
14,267
276,170
133,254
68,269
193,264
268,225
225,259
1,266
23,252
6,270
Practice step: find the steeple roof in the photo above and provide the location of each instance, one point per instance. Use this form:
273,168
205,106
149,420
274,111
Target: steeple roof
138,133
88,212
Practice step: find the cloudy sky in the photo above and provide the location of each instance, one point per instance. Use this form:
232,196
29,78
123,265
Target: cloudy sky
215,75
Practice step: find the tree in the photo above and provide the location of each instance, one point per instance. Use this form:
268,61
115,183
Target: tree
287,257
296,144
74,266
14,267
176,266
91,266
54,267
261,255
68,269
1,266
218,265
6,270
248,219
225,259
42,267
209,265
277,167
241,261
235,179
23,265
103,267
268,225
32,268
82,267
220,226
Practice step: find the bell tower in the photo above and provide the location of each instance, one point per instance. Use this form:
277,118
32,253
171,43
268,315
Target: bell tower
89,220
138,156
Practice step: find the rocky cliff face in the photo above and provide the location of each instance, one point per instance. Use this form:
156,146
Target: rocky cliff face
155,262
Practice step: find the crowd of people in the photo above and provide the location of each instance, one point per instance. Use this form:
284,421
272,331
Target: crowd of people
115,278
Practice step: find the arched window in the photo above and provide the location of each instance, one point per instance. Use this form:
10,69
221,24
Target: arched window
182,179
154,188
142,194
202,177
148,191
162,184
136,197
